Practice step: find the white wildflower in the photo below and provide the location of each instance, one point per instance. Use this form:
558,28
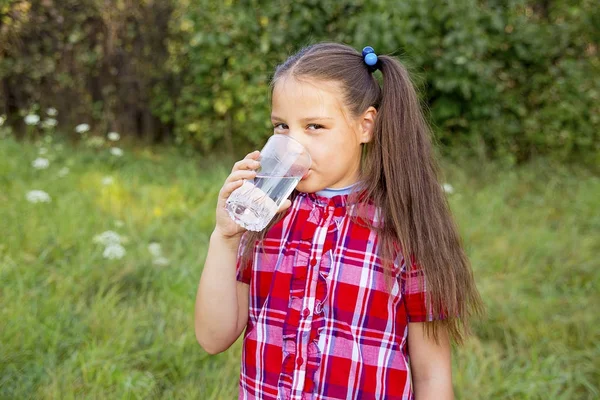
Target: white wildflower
448,188
40,163
115,151
2,119
52,112
64,171
108,180
113,136
82,128
38,196
32,119
160,261
42,151
49,123
114,252
108,238
155,249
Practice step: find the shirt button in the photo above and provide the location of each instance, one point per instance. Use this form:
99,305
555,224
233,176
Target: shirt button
313,262
306,312
299,361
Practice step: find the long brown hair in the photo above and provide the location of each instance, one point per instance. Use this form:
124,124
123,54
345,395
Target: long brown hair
399,174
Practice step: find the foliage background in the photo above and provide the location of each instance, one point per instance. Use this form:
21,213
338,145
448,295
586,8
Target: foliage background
510,79
183,89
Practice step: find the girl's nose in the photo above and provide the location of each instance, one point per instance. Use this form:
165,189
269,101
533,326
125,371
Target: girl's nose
300,138
297,136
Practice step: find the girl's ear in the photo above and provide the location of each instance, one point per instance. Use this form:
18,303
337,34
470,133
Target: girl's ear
367,125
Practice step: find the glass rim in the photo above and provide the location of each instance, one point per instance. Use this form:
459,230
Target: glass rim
295,141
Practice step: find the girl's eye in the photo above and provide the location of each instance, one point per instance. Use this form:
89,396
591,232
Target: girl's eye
313,127
280,126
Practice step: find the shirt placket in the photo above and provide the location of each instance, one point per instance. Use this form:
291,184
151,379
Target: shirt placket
308,305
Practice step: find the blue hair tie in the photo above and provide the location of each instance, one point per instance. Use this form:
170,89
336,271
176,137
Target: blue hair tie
370,58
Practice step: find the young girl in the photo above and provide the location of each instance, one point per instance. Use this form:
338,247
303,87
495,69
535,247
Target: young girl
356,288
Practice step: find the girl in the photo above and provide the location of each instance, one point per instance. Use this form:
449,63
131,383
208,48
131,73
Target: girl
355,290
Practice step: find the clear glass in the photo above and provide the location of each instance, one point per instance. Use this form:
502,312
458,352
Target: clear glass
283,162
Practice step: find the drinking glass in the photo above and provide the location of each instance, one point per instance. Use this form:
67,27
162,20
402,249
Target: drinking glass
283,162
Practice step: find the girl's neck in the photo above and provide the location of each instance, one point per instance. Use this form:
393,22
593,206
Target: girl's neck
330,192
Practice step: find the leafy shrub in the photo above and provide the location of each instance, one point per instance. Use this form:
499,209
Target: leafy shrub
508,79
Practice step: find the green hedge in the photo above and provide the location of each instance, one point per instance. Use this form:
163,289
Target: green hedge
509,79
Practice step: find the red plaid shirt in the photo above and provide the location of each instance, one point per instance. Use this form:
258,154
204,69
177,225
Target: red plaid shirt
322,324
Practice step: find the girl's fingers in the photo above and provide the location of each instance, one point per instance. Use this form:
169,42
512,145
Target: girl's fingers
229,187
241,174
245,164
254,155
285,205
249,162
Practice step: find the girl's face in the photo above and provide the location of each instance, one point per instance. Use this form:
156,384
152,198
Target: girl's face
312,112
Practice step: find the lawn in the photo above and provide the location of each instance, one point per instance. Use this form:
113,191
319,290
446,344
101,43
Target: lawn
90,314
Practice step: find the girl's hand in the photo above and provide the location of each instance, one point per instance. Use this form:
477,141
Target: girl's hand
243,169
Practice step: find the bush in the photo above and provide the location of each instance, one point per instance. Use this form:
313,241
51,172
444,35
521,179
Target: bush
94,61
502,79
224,54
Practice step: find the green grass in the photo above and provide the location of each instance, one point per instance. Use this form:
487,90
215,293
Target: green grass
76,325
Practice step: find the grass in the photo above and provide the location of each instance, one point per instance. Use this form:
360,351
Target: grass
74,324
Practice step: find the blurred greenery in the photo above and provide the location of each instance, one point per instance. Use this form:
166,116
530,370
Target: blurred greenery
76,324
184,87
506,79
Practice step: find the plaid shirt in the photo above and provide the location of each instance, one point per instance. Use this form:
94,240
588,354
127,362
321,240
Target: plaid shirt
322,323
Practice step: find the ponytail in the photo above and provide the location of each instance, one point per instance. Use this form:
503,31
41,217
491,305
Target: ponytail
401,175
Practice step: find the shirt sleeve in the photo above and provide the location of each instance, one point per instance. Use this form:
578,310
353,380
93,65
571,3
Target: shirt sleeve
243,272
414,293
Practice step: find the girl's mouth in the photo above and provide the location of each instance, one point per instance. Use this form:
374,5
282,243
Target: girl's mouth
305,175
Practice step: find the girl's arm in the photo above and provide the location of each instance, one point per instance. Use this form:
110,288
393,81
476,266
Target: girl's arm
221,301
430,363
